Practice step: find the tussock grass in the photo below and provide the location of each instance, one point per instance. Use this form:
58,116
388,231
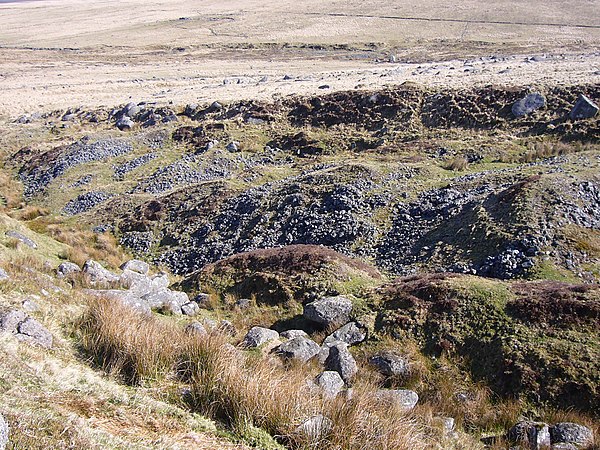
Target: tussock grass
240,388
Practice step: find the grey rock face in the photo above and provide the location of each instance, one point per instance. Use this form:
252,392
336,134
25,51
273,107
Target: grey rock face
21,238
124,123
124,297
535,434
528,104
3,275
315,428
135,265
571,433
300,348
25,328
196,328
171,308
67,268
329,310
97,274
583,109
351,334
164,297
330,382
291,334
390,364
403,398
258,336
4,432
190,309
341,360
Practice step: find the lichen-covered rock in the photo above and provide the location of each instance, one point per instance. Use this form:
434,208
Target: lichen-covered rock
258,336
3,275
291,334
315,428
534,434
528,104
571,433
403,398
25,328
196,328
330,382
66,268
126,298
96,274
21,238
351,333
390,364
136,265
299,348
341,360
329,311
583,109
190,309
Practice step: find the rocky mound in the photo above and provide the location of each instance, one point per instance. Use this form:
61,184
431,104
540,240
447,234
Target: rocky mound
278,275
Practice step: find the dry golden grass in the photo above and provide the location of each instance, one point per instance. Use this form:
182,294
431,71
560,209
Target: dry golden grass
458,164
241,388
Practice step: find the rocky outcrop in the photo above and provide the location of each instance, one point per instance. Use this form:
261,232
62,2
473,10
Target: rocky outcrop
329,311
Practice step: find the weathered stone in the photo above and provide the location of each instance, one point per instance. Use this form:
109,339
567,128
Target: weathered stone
528,104
329,311
126,298
196,328
534,434
391,364
125,123
136,265
564,446
136,282
341,360
330,382
583,109
97,274
403,398
571,433
10,320
162,298
3,275
324,351
190,309
203,300
4,432
32,331
160,280
21,238
351,334
66,268
315,428
171,308
225,326
291,334
242,303
299,348
258,336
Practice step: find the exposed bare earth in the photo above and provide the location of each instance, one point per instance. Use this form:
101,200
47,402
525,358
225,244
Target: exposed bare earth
182,51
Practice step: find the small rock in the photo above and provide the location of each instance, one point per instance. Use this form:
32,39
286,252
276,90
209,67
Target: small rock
528,104
203,301
4,432
97,274
196,328
300,348
67,268
136,265
31,330
171,308
330,382
21,238
225,326
390,364
534,434
126,298
329,311
242,303
564,446
124,123
30,306
404,398
583,109
341,360
3,275
291,334
315,428
233,147
351,333
190,309
571,433
258,336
